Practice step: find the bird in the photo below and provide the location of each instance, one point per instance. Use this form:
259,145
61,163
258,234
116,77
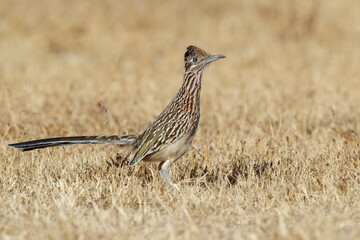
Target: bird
171,134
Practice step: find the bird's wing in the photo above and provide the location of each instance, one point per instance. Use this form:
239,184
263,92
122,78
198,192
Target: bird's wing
146,148
160,136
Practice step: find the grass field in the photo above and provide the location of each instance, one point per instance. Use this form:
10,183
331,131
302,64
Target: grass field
277,152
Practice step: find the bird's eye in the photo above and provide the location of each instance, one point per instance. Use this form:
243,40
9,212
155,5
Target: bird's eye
193,60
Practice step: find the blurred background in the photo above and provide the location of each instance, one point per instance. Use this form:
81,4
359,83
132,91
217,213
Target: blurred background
68,67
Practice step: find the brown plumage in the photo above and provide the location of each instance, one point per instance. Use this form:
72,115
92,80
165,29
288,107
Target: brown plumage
170,136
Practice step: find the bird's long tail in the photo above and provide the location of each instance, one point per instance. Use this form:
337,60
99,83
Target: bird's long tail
121,140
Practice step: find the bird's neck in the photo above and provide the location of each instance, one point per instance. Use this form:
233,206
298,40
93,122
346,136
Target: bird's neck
189,93
192,84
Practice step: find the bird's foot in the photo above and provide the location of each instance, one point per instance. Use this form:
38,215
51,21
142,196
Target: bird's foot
166,176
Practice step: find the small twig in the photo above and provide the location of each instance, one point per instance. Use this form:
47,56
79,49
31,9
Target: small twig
106,117
199,153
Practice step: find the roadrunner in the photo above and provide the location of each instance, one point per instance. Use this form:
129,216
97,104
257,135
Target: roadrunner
169,137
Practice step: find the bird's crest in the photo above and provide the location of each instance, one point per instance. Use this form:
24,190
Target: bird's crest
195,52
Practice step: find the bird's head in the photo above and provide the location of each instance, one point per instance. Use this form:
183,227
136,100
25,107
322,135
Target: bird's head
197,59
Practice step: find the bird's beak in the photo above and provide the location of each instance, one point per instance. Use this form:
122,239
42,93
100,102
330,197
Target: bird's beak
213,58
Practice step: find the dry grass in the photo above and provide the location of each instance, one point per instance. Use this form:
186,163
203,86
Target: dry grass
278,144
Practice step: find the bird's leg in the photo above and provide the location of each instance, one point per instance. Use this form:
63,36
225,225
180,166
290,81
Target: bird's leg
164,170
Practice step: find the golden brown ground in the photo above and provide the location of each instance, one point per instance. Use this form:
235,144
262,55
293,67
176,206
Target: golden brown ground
278,142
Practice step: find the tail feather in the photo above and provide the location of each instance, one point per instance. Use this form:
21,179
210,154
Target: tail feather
60,141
